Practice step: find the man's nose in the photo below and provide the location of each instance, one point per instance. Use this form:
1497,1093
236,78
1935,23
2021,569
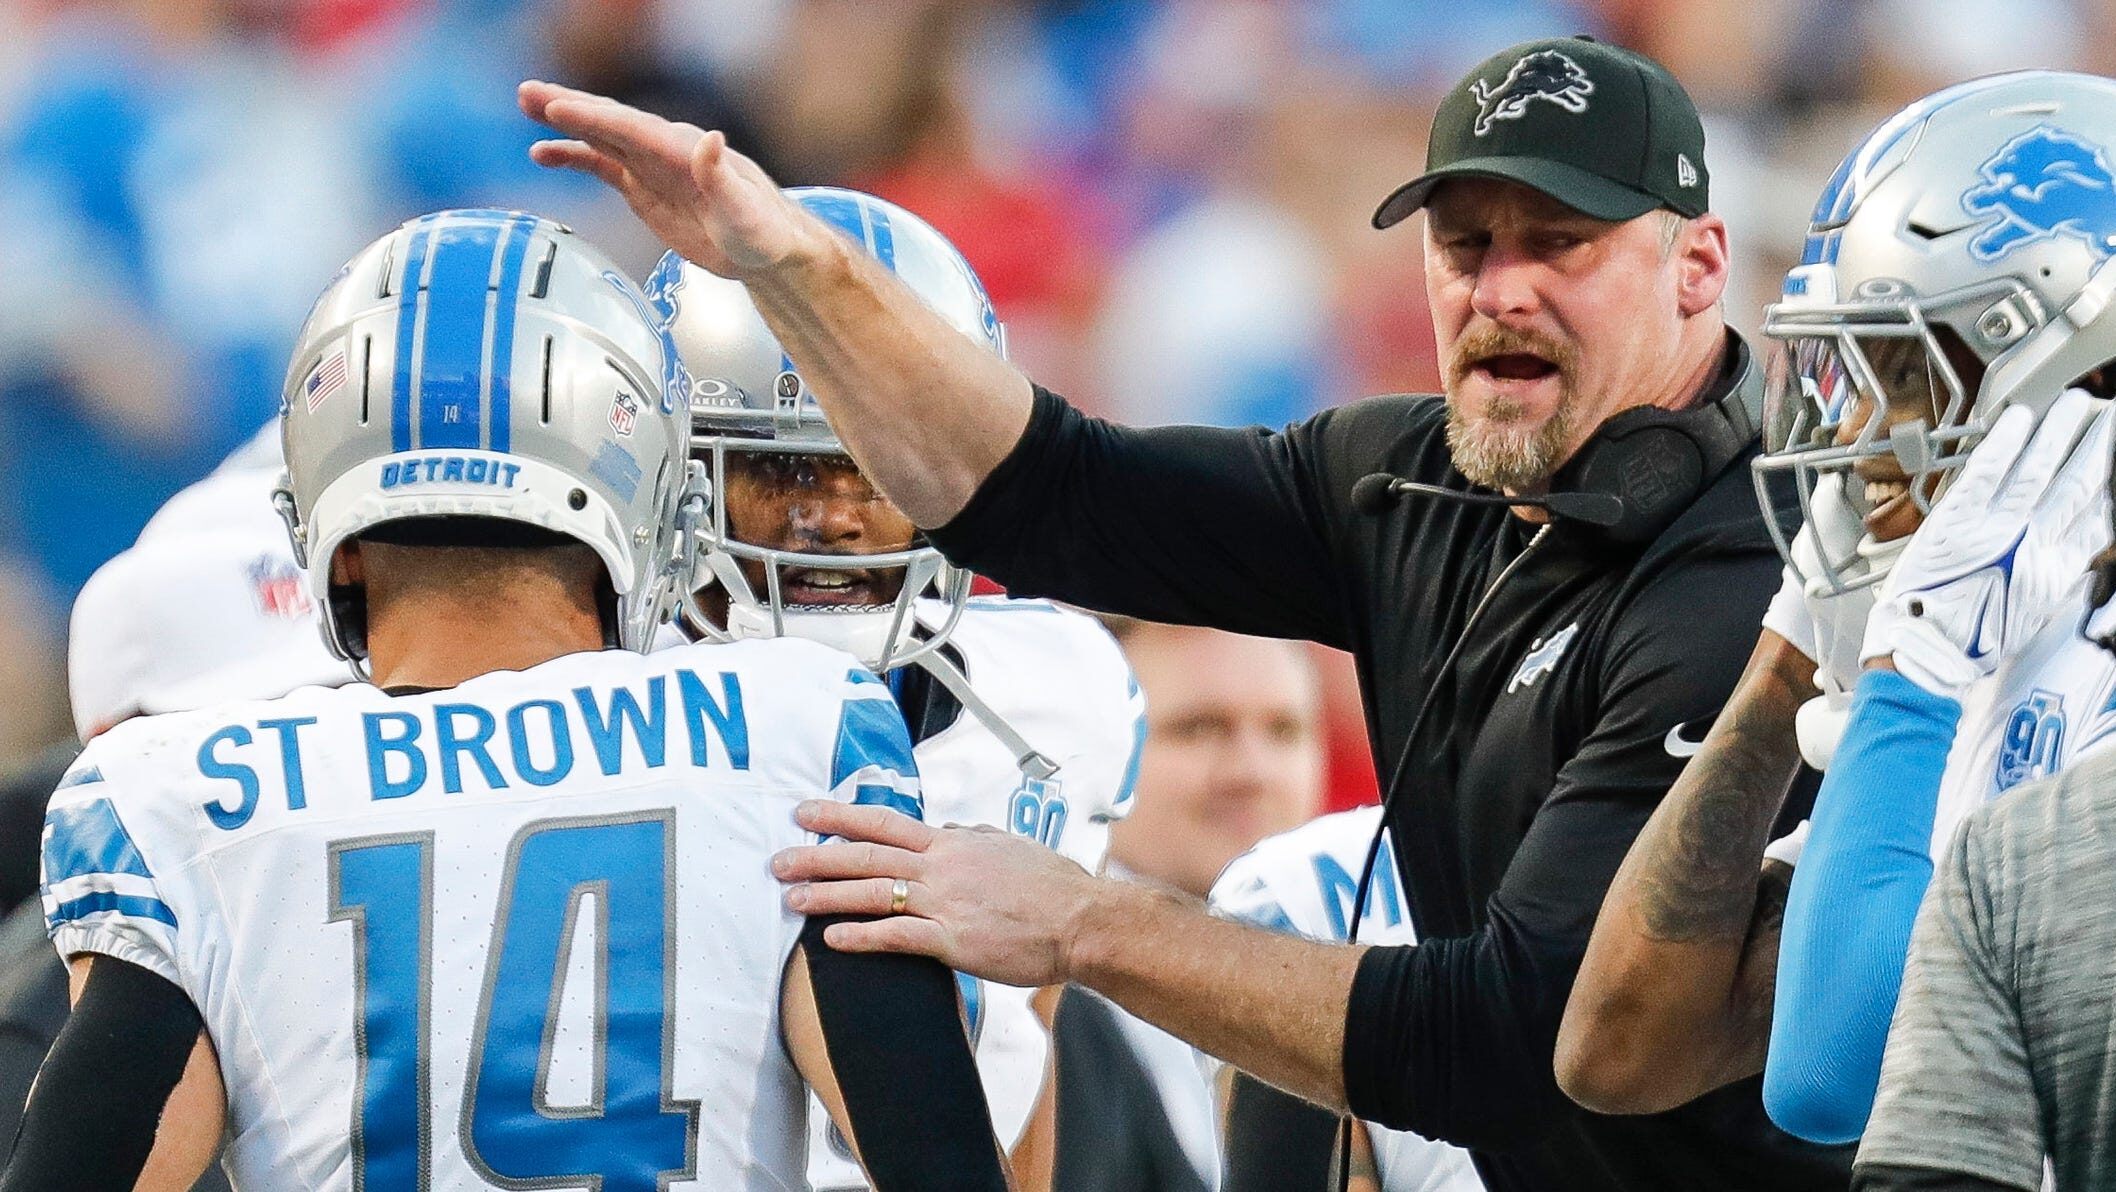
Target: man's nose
830,517
1508,285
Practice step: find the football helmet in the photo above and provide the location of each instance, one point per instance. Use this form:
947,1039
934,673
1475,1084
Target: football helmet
1972,233
747,397
489,364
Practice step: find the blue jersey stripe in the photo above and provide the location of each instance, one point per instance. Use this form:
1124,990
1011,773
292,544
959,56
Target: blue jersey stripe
457,305
890,797
1129,784
871,732
514,248
125,904
88,838
411,296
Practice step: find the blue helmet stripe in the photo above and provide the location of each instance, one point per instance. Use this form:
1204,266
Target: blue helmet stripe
514,247
411,296
880,237
866,224
451,378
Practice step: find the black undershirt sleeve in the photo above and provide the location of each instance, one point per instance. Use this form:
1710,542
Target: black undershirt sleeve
1277,1142
1881,1177
1188,524
91,1121
893,1028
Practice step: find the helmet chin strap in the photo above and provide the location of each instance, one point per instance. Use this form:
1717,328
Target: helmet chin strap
1027,758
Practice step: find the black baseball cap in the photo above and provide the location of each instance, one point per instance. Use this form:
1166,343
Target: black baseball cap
1602,129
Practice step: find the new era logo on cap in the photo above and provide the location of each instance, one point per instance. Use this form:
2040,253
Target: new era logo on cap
1545,74
1685,173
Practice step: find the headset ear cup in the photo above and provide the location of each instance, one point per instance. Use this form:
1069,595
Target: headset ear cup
1651,462
1656,471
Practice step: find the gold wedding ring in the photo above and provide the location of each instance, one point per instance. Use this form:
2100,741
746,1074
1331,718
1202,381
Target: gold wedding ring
899,896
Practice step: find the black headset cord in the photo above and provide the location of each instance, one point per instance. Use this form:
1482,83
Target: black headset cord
1388,801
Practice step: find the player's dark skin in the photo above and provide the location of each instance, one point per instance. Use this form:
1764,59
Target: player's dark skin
813,504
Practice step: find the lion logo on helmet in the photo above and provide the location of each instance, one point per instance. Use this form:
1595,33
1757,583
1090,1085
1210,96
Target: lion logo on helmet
2040,185
1545,74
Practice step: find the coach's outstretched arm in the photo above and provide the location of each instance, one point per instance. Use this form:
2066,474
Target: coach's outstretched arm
888,369
1064,505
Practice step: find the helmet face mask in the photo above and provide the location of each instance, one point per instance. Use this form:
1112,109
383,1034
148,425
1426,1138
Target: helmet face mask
748,401
755,580
487,365
1920,311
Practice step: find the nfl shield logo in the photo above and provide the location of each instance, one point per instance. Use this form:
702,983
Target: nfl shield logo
624,413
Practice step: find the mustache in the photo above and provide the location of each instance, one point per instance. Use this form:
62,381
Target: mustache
1496,340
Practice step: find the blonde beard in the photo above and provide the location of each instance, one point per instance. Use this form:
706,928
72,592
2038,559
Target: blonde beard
1498,451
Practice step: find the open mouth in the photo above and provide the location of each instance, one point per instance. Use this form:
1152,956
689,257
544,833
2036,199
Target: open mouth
832,587
1881,492
1514,366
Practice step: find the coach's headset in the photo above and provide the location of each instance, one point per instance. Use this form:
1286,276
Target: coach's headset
1630,480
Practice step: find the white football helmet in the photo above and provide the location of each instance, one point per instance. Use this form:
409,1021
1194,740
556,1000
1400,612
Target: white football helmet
489,364
1974,228
746,396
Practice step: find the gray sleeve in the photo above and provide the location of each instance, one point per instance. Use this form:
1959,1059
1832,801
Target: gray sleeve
1956,1094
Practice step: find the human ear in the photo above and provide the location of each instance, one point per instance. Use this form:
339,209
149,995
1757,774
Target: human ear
1700,260
347,568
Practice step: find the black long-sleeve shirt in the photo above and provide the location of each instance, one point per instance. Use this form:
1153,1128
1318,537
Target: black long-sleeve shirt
1541,758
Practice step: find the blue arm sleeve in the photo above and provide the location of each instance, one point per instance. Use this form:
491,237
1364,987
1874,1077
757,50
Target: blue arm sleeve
1848,916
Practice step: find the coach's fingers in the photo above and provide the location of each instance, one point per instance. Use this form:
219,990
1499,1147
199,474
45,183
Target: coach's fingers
864,821
637,137
901,933
581,157
846,858
854,896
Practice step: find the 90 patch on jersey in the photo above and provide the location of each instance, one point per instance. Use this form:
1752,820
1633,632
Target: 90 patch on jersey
1038,811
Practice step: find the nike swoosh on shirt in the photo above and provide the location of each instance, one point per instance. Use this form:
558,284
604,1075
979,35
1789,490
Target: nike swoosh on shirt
1681,747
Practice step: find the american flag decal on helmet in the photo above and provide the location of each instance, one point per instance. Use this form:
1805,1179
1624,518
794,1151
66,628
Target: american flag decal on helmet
325,379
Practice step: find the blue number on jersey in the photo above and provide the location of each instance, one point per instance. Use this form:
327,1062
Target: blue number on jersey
634,1135
392,969
1037,811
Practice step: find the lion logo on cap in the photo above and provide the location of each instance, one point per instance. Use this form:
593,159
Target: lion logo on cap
2040,185
1545,74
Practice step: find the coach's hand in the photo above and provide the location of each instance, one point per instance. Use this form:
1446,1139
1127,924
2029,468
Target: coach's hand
979,900
714,206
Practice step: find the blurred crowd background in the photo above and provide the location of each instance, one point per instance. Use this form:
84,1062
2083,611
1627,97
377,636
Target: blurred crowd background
1168,199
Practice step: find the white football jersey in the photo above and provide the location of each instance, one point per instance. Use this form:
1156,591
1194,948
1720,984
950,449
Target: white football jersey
519,932
2048,705
1061,681
1303,882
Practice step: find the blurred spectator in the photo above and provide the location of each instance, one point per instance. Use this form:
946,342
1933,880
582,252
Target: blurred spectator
1233,754
1233,751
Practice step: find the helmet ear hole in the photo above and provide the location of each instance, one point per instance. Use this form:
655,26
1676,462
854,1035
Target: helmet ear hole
576,500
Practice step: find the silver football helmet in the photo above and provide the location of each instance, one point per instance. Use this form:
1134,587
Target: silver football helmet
1972,233
489,364
748,399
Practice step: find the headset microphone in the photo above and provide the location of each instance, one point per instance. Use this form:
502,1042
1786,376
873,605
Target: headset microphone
1377,491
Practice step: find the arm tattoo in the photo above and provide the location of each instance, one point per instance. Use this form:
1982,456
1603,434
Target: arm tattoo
1757,980
1697,859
